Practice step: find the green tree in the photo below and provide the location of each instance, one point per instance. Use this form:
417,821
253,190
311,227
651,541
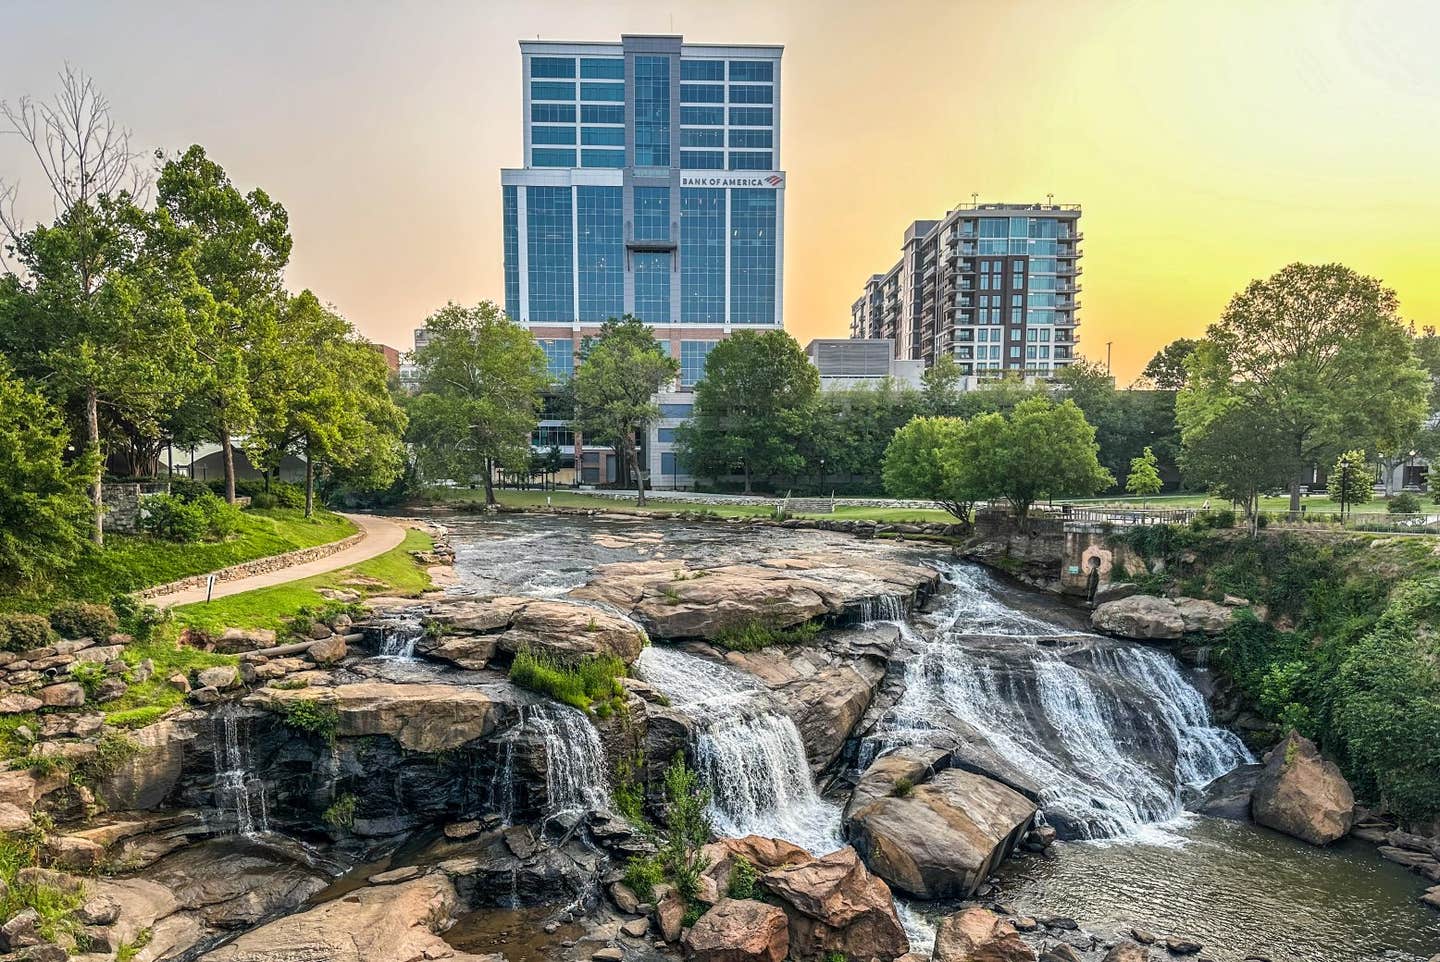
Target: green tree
1351,480
615,388
1166,370
936,459
1228,448
1144,478
479,399
44,509
238,245
940,387
1321,349
1041,450
750,408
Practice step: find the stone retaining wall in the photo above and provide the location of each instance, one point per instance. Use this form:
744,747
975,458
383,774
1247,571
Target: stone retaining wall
257,567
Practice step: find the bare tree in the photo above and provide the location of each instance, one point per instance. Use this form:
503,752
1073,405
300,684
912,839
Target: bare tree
85,157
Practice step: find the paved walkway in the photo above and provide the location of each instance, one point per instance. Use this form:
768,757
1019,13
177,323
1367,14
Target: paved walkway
380,535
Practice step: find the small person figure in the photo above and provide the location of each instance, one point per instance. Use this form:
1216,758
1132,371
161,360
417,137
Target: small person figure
1092,579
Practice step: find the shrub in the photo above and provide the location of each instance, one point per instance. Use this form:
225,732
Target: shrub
21,632
1404,503
263,501
187,489
222,519
743,879
903,787
754,635
112,751
76,619
313,716
642,874
170,519
56,905
341,813
89,675
286,495
580,684
138,618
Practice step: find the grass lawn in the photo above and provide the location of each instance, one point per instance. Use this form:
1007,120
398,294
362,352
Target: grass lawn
1320,503
131,562
272,607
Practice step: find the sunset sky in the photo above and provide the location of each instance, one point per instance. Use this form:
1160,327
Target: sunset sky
1209,143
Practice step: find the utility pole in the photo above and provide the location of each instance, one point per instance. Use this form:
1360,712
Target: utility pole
1107,356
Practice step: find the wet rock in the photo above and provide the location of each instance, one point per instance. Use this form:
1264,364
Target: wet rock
1128,951
944,837
979,935
739,930
147,776
462,830
391,922
1060,923
608,954
835,905
67,694
421,718
1179,945
1142,617
1302,794
1413,842
1229,795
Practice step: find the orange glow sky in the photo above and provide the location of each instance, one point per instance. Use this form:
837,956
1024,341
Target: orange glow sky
1208,142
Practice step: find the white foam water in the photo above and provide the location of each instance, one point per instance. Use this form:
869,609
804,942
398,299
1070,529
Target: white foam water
237,788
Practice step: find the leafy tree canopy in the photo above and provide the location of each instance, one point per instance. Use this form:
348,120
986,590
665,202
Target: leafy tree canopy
1166,370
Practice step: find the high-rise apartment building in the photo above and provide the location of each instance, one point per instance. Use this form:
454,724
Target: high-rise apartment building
652,186
993,284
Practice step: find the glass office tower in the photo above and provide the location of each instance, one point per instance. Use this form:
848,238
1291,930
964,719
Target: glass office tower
652,186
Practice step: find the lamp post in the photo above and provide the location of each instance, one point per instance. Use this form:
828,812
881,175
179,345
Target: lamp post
1344,485
1409,464
822,477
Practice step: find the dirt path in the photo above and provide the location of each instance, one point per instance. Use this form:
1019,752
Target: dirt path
380,535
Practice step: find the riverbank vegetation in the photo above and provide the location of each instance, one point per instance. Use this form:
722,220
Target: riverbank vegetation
1345,648
591,684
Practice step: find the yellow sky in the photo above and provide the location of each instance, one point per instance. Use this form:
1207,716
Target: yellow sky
1208,142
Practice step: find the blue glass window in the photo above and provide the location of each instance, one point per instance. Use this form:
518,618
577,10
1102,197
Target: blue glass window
753,70
702,138
547,246
550,90
752,138
603,136
600,222
602,158
994,227
602,68
552,113
595,91
703,94
510,209
752,117
652,111
552,67
668,464
665,435
652,213
702,255
559,358
750,161
752,256
552,135
702,116
692,360
652,287
702,160
702,70
676,410
601,114
551,157
752,94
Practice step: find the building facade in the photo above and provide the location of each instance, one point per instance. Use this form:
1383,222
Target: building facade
861,362
651,186
994,285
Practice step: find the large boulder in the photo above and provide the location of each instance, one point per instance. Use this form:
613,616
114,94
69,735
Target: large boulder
977,934
944,837
834,904
1204,617
384,922
421,718
468,633
1229,795
1302,794
146,777
763,854
739,930
1141,617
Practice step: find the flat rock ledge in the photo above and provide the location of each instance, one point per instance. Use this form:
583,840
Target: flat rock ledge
469,633
676,601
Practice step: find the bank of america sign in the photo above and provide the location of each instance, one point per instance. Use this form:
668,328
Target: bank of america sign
749,179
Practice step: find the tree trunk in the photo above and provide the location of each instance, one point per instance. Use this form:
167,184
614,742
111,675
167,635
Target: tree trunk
309,480
227,458
1295,490
747,478
92,437
635,466
489,482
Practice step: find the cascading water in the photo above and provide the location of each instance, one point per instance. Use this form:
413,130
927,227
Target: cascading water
237,788
751,756
1107,734
574,762
883,608
398,638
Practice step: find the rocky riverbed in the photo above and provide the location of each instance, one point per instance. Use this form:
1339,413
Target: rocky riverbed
923,733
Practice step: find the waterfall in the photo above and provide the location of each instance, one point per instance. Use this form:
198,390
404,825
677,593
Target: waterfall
883,608
574,761
237,789
1109,732
750,756
398,638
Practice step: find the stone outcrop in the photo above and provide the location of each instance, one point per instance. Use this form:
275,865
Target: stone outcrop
834,904
421,718
739,930
676,601
979,935
1148,618
386,922
1302,794
942,838
468,633
764,854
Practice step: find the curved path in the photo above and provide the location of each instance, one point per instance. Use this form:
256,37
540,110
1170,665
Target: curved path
379,536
